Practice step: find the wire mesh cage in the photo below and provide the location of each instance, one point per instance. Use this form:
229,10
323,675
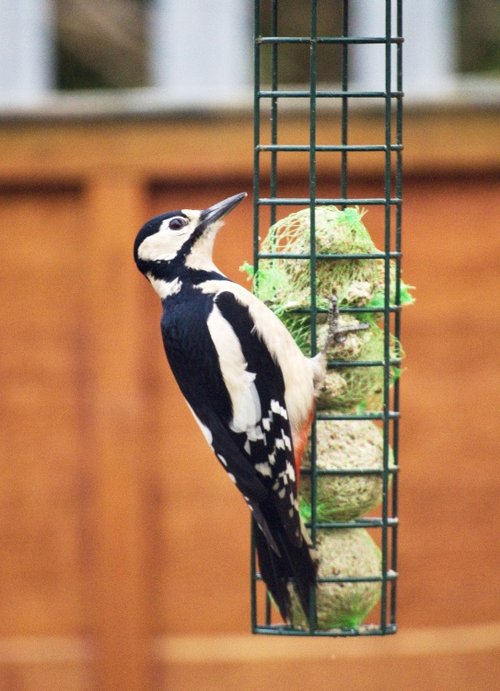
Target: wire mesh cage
349,482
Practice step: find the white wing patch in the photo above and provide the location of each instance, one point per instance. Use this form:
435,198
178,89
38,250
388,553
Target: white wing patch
298,371
278,409
238,380
165,288
264,469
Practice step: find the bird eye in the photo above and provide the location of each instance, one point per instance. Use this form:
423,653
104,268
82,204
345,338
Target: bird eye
177,223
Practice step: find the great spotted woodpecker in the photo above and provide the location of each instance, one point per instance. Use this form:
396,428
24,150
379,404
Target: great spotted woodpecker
248,385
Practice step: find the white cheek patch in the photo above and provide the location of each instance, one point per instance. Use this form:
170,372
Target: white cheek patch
163,245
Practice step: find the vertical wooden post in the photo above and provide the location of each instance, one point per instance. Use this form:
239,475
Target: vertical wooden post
114,207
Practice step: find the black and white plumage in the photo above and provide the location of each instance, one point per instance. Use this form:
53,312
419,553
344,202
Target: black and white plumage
248,385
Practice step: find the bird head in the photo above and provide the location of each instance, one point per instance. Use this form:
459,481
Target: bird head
173,241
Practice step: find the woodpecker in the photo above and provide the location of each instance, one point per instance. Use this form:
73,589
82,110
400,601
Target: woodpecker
248,385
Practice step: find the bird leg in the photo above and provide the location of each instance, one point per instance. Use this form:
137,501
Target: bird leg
337,334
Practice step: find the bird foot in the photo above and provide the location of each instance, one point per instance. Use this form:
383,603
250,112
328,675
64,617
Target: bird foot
337,334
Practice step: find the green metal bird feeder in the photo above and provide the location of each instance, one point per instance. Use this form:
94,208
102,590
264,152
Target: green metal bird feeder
349,484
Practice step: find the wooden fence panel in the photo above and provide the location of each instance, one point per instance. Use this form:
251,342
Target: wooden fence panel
124,548
43,466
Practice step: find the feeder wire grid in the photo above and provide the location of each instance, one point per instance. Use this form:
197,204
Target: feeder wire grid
272,101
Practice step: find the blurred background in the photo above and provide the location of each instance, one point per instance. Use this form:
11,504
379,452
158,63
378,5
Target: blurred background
124,550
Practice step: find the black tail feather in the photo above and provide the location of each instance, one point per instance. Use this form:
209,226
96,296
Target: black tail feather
294,565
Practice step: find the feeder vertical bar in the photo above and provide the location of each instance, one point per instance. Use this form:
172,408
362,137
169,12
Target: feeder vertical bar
345,103
274,111
397,315
256,197
387,300
273,181
256,136
312,249
253,579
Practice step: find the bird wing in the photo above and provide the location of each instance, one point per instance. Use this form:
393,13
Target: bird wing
239,403
262,426
260,420
236,391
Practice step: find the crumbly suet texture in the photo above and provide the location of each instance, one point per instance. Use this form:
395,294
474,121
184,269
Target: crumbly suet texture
344,553
344,445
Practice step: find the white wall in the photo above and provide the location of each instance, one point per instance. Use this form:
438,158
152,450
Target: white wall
428,50
26,50
201,49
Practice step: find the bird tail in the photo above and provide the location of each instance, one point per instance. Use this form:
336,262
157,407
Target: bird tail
293,565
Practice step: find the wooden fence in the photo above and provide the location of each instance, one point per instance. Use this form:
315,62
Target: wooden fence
123,549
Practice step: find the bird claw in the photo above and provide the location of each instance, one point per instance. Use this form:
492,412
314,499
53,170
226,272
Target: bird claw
337,334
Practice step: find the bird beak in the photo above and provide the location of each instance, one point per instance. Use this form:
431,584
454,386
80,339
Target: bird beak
213,213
